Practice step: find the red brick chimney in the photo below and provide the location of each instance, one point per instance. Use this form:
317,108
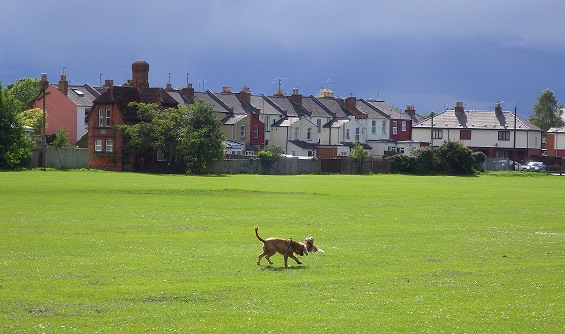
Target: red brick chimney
108,83
245,94
351,103
459,107
140,74
279,92
188,92
226,90
498,109
410,110
63,85
169,87
43,83
296,97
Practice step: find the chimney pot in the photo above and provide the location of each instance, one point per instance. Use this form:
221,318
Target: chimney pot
169,87
279,92
296,97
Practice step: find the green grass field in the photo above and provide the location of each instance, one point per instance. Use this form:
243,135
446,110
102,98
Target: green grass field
100,252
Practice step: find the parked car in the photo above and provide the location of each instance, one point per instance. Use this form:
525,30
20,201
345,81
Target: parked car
536,166
520,167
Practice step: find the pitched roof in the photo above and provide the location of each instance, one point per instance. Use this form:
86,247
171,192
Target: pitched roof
286,121
394,113
121,96
237,105
303,144
371,110
233,119
334,106
265,105
209,97
82,95
477,119
289,109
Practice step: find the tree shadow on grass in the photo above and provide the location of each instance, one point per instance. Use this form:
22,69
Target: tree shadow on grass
271,268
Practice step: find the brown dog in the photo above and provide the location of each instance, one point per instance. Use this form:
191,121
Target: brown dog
286,247
310,245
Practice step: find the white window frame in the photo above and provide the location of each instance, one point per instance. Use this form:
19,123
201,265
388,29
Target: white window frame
109,145
108,117
296,133
394,127
383,126
101,117
255,131
98,145
403,126
309,134
358,135
374,127
319,125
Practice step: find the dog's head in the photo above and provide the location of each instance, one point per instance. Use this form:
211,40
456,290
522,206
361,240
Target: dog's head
299,248
309,243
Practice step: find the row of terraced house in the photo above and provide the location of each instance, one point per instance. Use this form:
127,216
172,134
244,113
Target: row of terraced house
303,126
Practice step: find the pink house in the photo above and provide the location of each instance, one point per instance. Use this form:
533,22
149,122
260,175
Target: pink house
67,106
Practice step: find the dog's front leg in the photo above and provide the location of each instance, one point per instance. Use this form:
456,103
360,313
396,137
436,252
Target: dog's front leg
295,258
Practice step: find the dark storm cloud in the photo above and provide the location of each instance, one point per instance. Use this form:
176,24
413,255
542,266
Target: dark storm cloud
426,53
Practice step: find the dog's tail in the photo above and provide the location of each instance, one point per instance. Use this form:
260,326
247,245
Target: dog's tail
257,234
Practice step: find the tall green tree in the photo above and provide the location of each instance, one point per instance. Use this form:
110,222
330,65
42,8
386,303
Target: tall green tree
33,118
191,134
23,91
547,111
14,145
203,140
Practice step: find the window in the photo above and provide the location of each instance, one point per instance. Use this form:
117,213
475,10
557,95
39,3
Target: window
109,146
311,154
249,153
503,135
394,127
100,117
403,126
255,131
309,134
437,134
465,134
347,134
86,111
373,127
357,135
383,127
267,122
107,117
296,133
160,155
319,125
98,145
242,131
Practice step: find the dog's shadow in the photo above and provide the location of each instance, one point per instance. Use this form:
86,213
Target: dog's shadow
271,268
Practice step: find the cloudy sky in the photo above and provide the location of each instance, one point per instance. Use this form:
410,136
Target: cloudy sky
426,53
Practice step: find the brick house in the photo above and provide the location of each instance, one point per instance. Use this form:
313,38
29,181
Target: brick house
112,108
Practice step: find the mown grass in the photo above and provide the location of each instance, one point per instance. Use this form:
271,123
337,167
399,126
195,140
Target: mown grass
93,251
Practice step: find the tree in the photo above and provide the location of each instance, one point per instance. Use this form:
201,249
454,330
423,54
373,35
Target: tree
188,134
456,158
360,155
33,118
24,91
157,130
61,139
203,140
14,145
547,112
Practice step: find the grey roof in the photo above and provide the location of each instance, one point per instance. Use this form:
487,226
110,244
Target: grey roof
477,119
233,119
82,95
371,110
303,144
352,144
265,105
176,94
334,106
289,109
209,97
286,121
336,123
394,113
235,104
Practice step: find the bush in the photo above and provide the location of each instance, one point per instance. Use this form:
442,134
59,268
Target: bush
401,163
456,158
